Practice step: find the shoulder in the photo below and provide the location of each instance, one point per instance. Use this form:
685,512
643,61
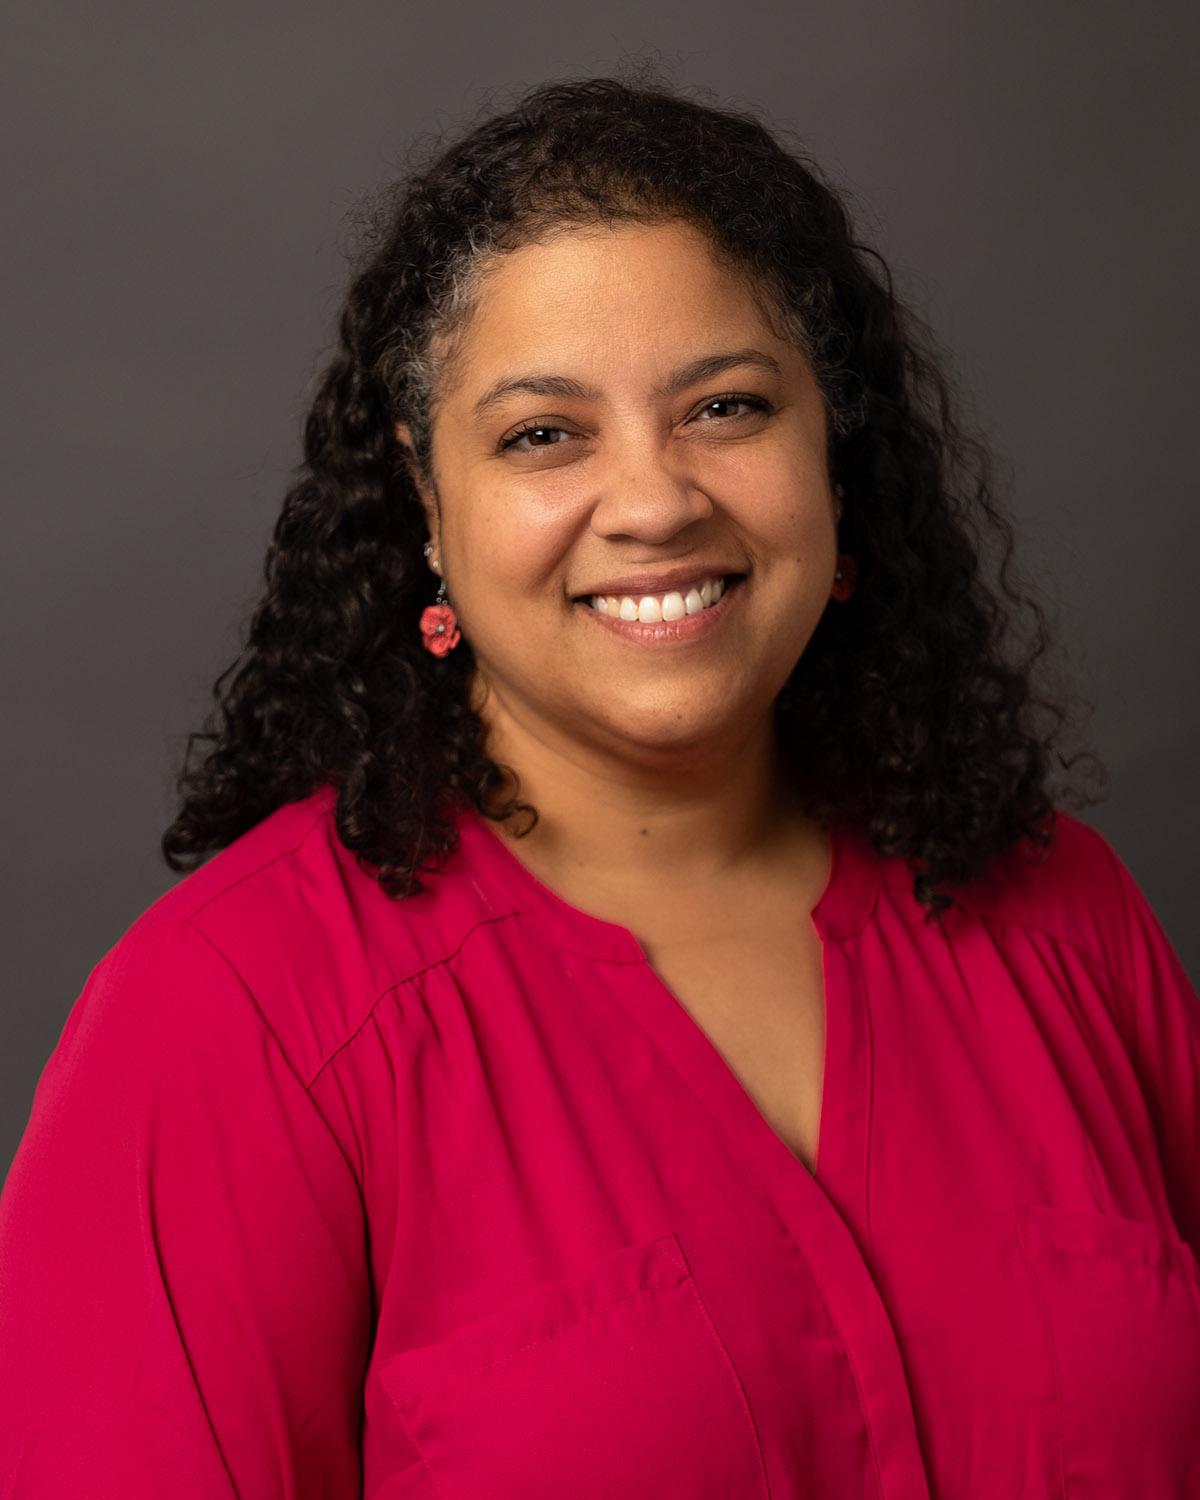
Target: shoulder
1076,890
287,917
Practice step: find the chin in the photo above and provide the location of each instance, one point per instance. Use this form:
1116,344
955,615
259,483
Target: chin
670,733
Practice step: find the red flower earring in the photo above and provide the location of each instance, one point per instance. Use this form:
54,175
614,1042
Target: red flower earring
439,623
843,579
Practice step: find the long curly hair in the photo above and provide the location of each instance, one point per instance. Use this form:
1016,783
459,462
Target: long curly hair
912,711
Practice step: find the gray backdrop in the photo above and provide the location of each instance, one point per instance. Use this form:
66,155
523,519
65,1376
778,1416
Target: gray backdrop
176,181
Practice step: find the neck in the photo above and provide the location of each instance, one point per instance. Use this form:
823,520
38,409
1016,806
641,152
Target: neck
670,828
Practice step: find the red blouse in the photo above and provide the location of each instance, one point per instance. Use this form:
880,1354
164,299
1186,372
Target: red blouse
326,1195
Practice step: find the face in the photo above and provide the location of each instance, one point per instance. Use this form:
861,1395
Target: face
609,462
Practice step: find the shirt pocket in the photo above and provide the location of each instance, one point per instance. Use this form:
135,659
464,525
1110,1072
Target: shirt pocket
610,1381
1121,1303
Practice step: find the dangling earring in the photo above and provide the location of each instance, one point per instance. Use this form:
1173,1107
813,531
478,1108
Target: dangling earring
843,579
439,623
847,568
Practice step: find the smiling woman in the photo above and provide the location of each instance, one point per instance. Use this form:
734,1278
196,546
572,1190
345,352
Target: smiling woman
650,1026
653,482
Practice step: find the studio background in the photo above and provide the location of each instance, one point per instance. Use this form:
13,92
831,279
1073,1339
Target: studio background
178,181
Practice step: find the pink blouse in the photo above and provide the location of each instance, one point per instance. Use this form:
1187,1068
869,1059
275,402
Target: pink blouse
325,1195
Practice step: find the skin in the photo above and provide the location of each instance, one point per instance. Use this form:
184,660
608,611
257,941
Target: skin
640,761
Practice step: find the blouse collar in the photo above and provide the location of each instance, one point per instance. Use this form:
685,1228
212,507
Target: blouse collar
508,885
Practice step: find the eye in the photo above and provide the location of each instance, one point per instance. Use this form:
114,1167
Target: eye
734,398
527,428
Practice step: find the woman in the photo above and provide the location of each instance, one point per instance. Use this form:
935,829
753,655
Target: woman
649,1028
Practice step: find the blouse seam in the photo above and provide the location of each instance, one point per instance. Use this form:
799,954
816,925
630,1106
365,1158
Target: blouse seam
283,1052
1098,965
266,864
406,978
541,932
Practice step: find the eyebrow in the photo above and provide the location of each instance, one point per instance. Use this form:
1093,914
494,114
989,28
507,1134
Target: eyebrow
703,368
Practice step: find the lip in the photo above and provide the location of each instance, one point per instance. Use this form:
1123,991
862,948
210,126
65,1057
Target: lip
671,632
638,584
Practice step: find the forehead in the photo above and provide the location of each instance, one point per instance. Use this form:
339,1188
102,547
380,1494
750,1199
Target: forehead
633,297
610,260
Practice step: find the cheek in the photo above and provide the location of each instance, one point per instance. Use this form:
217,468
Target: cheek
512,583
781,493
512,552
535,532
797,523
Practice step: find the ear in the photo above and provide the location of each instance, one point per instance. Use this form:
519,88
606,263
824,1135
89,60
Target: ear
404,439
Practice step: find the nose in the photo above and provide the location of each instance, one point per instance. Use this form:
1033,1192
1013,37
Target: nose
649,502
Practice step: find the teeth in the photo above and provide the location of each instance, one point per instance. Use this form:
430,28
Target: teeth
651,608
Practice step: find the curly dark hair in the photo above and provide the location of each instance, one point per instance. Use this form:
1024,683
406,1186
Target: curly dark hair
911,711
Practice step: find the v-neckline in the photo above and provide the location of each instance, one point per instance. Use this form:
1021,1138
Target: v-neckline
826,1211
840,912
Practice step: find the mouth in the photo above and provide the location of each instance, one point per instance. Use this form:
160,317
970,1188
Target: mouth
674,604
673,619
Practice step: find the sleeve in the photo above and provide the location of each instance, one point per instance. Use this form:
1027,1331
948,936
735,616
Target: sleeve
1166,1012
184,1284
